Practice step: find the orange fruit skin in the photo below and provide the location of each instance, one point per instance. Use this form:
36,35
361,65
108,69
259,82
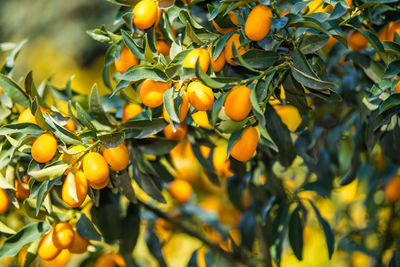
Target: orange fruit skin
81,185
258,23
234,20
63,235
44,148
200,96
151,92
4,201
237,103
221,164
21,192
130,111
356,40
179,134
199,54
46,249
79,244
392,189
397,89
184,108
26,116
70,125
331,42
95,168
99,185
219,63
181,190
163,47
234,39
117,157
387,33
126,60
60,260
145,14
110,260
245,147
289,115
201,118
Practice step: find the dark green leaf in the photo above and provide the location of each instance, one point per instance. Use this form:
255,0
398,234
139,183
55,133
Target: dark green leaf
14,91
85,228
296,233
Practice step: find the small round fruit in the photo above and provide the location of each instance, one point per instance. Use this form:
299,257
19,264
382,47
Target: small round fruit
21,192
145,14
245,147
179,134
117,157
392,189
81,187
290,116
95,168
100,185
126,60
234,20
258,23
201,118
79,244
44,148
46,249
233,40
70,125
219,63
63,235
221,164
130,111
60,260
237,103
181,190
26,116
356,40
4,201
151,92
110,260
163,47
200,96
198,54
183,110
397,89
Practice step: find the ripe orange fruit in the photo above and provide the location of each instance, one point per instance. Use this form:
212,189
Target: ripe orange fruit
117,157
26,116
199,54
95,168
234,20
151,92
4,201
356,40
387,33
245,147
79,244
201,118
316,6
44,148
110,260
221,164
126,60
237,103
100,185
397,89
219,63
290,116
46,249
331,42
184,108
145,14
70,125
163,47
63,235
258,23
60,260
234,39
181,190
130,111
200,96
392,189
21,192
179,134
81,185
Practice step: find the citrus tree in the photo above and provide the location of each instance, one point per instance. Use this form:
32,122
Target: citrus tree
228,121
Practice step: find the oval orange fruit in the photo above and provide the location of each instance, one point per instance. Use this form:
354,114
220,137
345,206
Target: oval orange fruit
200,96
117,157
245,147
258,23
44,148
237,103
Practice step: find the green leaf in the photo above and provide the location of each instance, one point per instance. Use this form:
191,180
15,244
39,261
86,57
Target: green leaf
140,73
374,41
296,233
112,140
41,190
156,146
96,108
204,78
143,128
52,171
310,81
233,139
392,70
83,117
85,228
61,132
392,47
25,128
307,22
260,59
130,228
123,182
256,107
170,107
390,102
312,43
14,91
207,165
130,43
330,239
5,229
28,234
